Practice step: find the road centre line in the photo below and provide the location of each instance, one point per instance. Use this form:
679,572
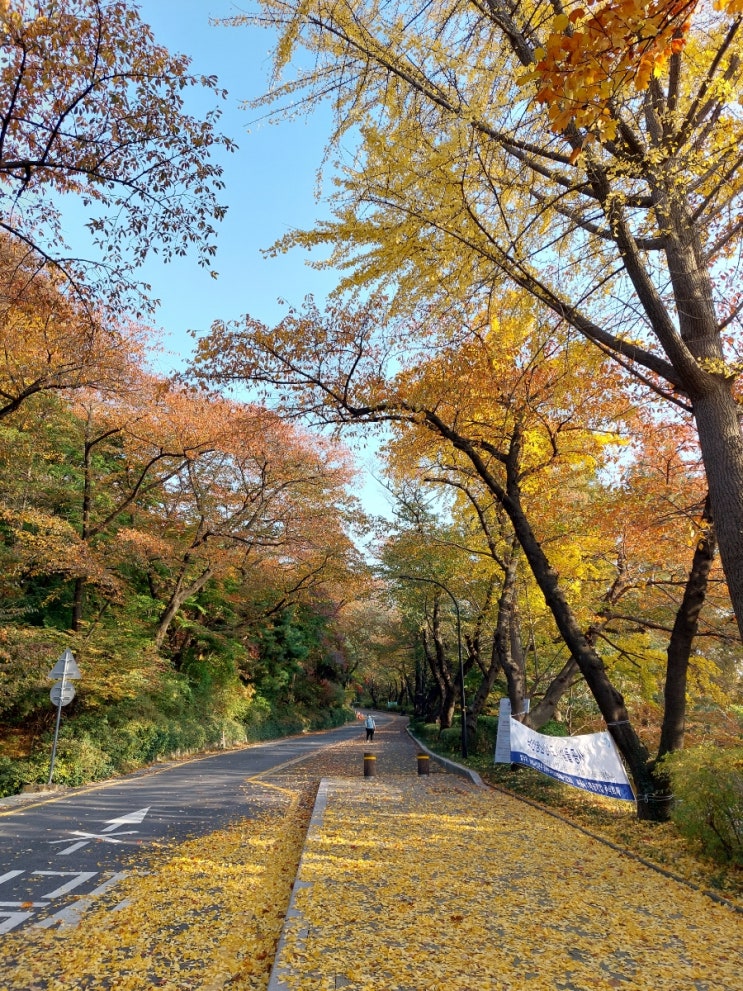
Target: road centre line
149,772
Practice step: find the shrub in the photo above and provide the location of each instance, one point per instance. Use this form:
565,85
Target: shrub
553,728
450,740
331,717
79,760
707,784
13,774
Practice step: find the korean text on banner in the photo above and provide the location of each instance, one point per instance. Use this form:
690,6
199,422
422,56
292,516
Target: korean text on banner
589,762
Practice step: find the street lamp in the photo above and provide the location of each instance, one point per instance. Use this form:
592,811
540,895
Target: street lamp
432,581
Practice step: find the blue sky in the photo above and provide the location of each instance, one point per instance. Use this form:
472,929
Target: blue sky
271,184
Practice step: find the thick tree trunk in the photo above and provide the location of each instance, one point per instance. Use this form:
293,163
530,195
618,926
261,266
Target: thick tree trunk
682,638
510,651
448,703
502,652
608,699
706,379
716,414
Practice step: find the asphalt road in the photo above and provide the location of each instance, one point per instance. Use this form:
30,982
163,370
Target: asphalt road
58,854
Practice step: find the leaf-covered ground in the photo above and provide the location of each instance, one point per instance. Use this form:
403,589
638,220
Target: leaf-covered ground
433,885
658,842
416,884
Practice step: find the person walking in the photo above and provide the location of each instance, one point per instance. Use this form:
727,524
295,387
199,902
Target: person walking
370,727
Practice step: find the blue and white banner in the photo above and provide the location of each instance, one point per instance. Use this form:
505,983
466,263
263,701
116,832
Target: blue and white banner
590,762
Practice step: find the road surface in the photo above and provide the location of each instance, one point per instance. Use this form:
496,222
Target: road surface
58,854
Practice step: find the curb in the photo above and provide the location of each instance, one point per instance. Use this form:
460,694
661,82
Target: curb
449,765
276,979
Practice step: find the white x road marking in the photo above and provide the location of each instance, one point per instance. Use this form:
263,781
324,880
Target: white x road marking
105,836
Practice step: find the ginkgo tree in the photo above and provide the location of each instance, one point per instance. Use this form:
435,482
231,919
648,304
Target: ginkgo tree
92,107
588,154
476,557
424,576
514,417
628,534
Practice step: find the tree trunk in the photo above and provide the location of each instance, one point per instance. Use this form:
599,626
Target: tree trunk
420,708
547,706
707,380
78,596
608,699
78,604
682,638
181,592
501,650
716,414
442,671
437,696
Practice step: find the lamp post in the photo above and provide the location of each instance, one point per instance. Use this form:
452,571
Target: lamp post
432,581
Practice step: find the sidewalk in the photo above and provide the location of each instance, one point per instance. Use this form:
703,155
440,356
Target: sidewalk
394,750
412,883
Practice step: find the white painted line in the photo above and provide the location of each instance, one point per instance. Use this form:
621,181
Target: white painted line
87,837
24,904
126,820
78,878
111,825
70,916
13,919
71,849
9,876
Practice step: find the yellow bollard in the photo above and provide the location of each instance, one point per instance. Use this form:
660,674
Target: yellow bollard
369,760
424,764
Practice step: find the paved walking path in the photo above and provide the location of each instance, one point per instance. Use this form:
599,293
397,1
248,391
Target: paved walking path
420,883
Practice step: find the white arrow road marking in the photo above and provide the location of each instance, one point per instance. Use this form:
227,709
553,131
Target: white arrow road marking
87,838
70,916
127,820
105,837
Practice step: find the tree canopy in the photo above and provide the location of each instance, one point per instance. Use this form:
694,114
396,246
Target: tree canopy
93,107
613,200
